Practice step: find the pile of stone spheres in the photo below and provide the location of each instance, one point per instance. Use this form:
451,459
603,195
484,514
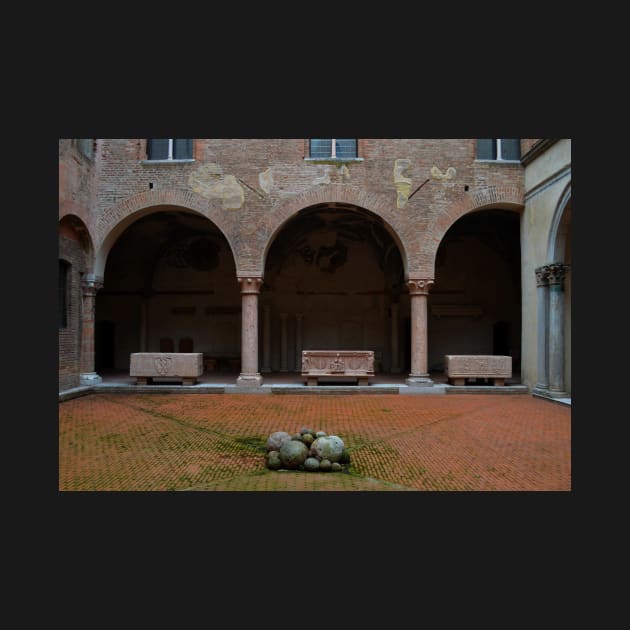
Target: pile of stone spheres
307,450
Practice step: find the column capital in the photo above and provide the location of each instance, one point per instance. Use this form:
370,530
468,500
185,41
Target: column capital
557,272
250,284
542,276
419,286
90,285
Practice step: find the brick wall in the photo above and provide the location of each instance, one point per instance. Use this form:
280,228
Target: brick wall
70,251
124,172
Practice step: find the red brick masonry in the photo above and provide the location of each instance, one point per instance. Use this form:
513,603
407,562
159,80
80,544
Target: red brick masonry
215,442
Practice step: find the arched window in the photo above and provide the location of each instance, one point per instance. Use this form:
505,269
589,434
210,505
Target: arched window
64,275
336,148
499,149
170,149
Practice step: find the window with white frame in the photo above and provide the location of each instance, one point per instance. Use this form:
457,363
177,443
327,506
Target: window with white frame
169,148
334,148
500,149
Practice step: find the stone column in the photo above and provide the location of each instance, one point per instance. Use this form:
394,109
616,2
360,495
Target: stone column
283,342
249,376
89,287
266,367
298,342
557,271
418,292
395,369
542,290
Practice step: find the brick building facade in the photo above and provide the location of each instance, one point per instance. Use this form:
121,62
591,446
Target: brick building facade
250,250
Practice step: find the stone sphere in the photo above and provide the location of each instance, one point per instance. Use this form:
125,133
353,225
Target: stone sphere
293,453
320,434
304,430
273,460
297,437
311,463
325,465
335,467
308,438
328,447
275,440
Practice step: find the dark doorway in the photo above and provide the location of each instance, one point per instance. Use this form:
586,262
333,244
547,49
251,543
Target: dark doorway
104,337
501,338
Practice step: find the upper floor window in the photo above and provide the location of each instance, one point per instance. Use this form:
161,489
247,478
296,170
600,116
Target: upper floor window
335,148
169,148
500,149
63,293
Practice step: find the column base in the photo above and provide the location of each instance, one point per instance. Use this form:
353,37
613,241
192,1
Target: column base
550,393
418,381
89,378
249,380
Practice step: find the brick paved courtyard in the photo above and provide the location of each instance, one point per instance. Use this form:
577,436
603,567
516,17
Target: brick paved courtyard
157,442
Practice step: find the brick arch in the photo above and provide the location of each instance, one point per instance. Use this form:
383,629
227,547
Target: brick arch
510,198
113,222
333,193
71,223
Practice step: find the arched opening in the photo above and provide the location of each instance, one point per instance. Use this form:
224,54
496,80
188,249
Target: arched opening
560,252
169,279
475,304
332,274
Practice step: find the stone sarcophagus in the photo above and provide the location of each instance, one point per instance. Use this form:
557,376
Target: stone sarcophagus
337,364
146,366
459,367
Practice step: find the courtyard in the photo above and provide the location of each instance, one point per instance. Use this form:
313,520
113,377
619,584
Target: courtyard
142,442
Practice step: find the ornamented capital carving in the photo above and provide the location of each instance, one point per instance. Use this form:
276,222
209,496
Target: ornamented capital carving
557,272
542,276
419,287
91,285
250,285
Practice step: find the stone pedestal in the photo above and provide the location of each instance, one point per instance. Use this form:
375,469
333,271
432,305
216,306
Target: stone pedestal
419,375
89,287
249,377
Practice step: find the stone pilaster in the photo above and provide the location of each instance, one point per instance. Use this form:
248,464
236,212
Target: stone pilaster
249,376
542,353
556,274
89,287
418,292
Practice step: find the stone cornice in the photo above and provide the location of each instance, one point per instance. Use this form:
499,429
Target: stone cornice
538,149
250,285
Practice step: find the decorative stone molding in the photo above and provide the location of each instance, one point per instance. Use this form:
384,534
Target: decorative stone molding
91,285
557,272
419,287
542,276
250,285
